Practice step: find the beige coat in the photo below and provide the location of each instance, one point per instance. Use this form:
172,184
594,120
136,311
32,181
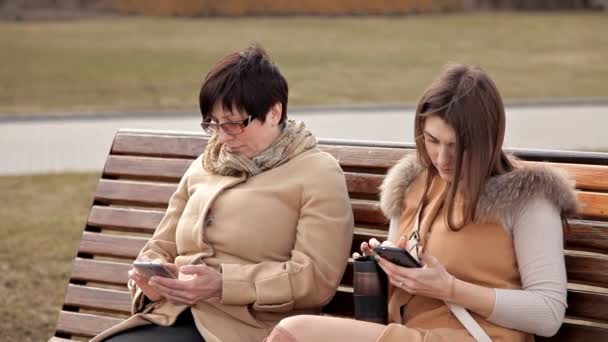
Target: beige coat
481,252
281,239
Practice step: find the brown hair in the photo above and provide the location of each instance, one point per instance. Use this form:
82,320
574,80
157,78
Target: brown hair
247,81
467,99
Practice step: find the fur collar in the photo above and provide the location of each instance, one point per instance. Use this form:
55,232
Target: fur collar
501,195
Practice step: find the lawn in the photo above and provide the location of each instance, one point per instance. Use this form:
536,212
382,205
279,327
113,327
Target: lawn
42,220
157,64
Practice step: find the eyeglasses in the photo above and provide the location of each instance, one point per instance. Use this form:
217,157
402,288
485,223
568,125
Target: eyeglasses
229,127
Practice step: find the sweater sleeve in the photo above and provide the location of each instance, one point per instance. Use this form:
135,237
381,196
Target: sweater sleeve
311,276
539,307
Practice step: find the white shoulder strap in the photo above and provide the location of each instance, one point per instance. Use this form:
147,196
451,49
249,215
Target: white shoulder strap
393,230
461,313
469,323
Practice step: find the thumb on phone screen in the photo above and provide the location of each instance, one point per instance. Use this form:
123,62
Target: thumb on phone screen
142,283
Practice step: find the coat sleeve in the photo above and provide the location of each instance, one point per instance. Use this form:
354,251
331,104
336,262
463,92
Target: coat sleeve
162,245
319,256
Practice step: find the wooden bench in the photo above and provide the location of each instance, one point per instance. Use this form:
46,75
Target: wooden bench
144,167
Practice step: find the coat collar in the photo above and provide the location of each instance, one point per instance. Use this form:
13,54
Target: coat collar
502,194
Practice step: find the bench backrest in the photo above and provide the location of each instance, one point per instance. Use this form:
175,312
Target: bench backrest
144,167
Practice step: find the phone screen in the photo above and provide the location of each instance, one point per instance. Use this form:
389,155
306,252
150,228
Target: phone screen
150,269
397,256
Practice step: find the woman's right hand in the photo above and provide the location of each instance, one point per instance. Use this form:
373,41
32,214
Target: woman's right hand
367,248
142,282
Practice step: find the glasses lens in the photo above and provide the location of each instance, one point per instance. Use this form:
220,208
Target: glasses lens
233,127
209,128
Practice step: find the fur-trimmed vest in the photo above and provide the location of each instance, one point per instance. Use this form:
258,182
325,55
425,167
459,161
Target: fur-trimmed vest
482,252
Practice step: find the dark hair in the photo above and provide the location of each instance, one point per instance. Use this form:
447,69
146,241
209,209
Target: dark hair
247,81
467,99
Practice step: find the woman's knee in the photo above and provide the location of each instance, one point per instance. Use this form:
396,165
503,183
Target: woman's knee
289,329
324,328
295,324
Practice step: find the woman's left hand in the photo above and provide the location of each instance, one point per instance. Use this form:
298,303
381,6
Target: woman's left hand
432,280
205,283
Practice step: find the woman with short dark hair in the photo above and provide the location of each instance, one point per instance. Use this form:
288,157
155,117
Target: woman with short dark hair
487,230
259,228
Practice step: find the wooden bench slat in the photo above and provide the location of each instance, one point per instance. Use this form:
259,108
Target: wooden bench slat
591,236
587,177
576,332
587,270
107,272
159,145
146,168
368,212
365,158
367,184
82,324
134,193
588,305
594,205
91,298
125,219
111,245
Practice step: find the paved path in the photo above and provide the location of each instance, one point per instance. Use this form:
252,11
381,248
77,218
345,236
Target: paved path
82,144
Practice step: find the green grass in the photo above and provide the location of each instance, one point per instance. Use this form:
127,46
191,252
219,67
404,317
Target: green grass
115,64
42,221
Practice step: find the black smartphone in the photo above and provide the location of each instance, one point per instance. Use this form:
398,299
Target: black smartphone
151,268
398,256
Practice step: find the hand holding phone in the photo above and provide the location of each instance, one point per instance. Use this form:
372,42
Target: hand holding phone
152,268
398,256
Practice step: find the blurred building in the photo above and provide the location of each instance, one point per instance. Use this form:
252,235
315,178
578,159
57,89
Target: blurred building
24,9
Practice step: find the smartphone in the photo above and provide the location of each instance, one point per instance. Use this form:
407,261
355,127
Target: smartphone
398,256
152,268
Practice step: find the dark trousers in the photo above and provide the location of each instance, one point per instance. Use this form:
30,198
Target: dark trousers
183,330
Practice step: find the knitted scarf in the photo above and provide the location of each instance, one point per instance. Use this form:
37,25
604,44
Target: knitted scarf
293,140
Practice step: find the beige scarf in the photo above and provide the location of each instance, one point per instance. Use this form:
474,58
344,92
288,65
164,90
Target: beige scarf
293,140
